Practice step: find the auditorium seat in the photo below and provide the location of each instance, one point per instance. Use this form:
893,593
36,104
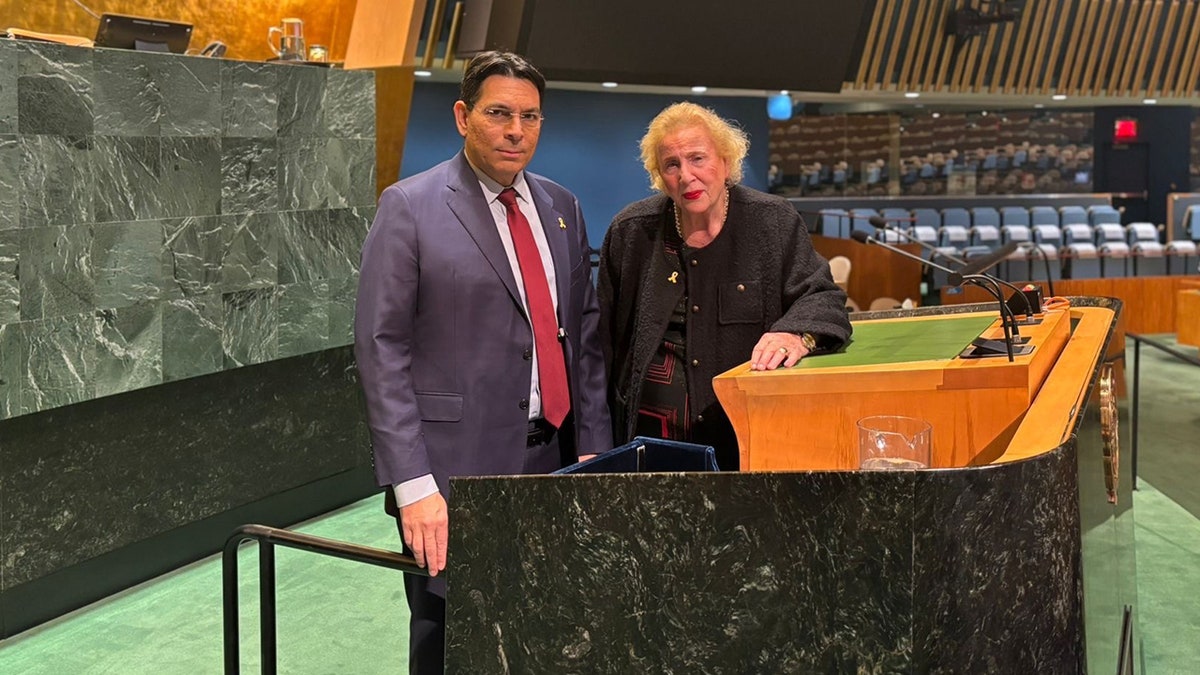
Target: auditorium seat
1043,215
956,234
1181,256
1149,255
884,303
923,217
1072,215
860,219
1113,249
985,215
1102,214
834,223
1191,222
1048,239
900,219
1016,266
1081,257
839,268
985,227
1014,215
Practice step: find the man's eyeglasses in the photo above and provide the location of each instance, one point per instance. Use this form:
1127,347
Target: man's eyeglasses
503,117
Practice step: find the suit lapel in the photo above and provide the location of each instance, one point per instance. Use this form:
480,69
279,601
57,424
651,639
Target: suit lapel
557,239
468,204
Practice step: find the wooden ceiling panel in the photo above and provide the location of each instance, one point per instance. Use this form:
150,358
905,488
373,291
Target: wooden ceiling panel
1081,47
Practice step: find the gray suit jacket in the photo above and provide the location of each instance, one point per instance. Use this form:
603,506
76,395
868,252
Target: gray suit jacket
441,338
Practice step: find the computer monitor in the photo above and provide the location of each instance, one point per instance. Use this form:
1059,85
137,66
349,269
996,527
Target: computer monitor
120,31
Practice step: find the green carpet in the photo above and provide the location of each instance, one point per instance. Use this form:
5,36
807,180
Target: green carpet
1167,510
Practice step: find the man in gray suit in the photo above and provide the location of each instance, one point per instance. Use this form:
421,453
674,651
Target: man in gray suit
475,329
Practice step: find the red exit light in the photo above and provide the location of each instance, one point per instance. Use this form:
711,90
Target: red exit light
1125,130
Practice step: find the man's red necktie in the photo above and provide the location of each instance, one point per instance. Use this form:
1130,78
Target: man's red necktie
552,371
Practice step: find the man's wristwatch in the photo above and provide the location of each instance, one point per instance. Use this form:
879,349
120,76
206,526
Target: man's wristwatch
809,340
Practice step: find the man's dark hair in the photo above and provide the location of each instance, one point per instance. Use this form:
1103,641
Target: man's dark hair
486,64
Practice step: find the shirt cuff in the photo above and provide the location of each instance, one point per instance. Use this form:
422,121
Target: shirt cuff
414,490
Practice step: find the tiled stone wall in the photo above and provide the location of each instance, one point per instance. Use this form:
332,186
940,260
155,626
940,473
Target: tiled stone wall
164,217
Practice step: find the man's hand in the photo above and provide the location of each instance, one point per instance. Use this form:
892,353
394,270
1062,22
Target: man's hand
777,349
426,531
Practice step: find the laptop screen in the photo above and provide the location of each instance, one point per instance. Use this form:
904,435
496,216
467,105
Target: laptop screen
120,31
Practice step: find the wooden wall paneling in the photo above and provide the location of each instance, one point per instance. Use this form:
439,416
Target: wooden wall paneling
874,271
1097,68
948,54
434,35
1090,66
1045,18
911,30
1140,84
384,33
1136,49
923,55
393,101
1149,302
1003,57
871,46
939,49
1184,41
1059,26
1188,85
1073,47
965,65
1162,48
1187,316
894,53
452,36
980,81
1135,16
1076,45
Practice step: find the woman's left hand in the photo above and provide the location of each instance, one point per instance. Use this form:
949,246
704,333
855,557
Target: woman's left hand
777,349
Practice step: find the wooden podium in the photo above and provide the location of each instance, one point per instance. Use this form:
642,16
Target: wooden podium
1187,316
805,417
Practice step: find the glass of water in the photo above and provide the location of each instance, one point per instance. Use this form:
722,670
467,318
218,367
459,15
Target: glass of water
893,443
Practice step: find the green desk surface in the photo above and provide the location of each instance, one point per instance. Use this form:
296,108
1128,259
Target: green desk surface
901,341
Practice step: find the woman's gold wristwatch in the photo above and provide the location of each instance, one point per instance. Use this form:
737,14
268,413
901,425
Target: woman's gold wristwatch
809,340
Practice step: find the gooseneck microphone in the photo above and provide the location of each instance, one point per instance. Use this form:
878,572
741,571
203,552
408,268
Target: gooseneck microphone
953,277
957,278
1007,322
1045,263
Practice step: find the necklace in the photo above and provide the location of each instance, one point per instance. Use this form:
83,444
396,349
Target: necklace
724,216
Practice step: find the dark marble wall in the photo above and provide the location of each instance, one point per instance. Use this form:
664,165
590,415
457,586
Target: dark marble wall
164,217
81,482
955,571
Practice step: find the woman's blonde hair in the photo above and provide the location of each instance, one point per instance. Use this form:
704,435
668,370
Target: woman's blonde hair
732,143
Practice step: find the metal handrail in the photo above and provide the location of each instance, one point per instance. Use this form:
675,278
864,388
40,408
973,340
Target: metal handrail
1137,362
1125,652
268,538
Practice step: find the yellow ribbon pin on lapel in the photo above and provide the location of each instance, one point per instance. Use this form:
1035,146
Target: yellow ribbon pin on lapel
561,224
674,278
